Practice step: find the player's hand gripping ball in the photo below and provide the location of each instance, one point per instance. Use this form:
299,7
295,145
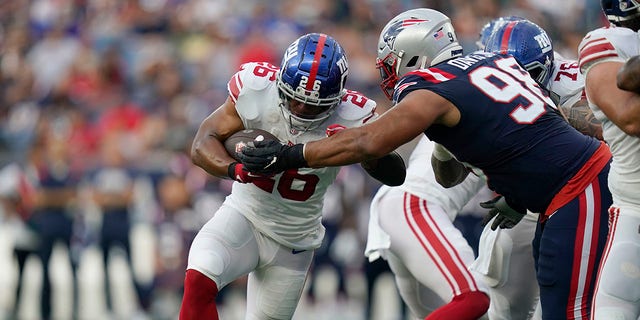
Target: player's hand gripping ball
240,139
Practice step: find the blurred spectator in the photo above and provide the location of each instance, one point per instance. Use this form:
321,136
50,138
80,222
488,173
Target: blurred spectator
51,58
16,199
76,76
55,197
176,228
111,184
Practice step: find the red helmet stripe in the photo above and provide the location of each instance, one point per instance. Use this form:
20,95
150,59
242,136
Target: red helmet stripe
504,46
316,61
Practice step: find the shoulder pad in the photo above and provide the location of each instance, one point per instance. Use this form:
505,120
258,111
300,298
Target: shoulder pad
607,44
356,106
251,76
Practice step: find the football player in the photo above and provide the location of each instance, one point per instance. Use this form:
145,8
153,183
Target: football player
506,262
269,226
602,54
493,117
411,227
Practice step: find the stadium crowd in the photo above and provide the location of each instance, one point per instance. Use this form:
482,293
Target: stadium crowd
100,101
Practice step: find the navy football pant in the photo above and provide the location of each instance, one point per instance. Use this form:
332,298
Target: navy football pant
567,249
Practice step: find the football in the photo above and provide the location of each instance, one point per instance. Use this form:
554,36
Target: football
238,140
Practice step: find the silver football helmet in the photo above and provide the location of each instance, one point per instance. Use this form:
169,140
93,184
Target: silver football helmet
414,39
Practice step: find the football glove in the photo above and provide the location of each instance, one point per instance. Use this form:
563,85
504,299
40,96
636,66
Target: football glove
271,157
238,172
506,217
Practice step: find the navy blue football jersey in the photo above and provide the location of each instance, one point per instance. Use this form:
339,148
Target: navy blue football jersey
510,128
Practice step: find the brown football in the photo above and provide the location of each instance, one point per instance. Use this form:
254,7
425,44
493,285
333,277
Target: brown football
238,140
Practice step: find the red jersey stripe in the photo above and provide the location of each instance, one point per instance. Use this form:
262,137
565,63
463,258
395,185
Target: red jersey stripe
439,248
234,86
410,202
595,49
580,180
434,75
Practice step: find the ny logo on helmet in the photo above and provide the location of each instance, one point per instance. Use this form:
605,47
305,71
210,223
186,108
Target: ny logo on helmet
543,41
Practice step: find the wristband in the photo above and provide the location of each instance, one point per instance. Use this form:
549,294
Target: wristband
231,170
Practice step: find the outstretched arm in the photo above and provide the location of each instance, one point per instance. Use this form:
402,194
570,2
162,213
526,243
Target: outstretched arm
408,119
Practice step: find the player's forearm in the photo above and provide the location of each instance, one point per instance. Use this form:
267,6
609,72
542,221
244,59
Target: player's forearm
210,155
346,147
579,116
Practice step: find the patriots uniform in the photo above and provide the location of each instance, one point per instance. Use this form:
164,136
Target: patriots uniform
505,260
511,130
485,88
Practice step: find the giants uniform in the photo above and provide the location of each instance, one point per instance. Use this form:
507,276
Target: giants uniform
505,261
617,290
411,226
510,129
270,230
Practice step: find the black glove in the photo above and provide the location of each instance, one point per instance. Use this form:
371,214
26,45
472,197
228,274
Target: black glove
506,216
271,157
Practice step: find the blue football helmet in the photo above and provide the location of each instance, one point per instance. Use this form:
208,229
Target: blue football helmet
528,43
490,26
314,71
623,13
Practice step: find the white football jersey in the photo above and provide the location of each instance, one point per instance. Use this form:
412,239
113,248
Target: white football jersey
421,181
289,209
566,83
615,44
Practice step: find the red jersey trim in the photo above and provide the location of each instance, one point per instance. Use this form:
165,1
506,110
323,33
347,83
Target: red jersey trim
234,86
596,49
581,179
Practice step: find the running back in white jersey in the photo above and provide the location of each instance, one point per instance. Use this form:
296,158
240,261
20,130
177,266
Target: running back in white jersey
615,44
288,209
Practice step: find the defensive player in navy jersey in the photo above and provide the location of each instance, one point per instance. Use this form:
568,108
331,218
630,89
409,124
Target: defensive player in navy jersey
488,112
